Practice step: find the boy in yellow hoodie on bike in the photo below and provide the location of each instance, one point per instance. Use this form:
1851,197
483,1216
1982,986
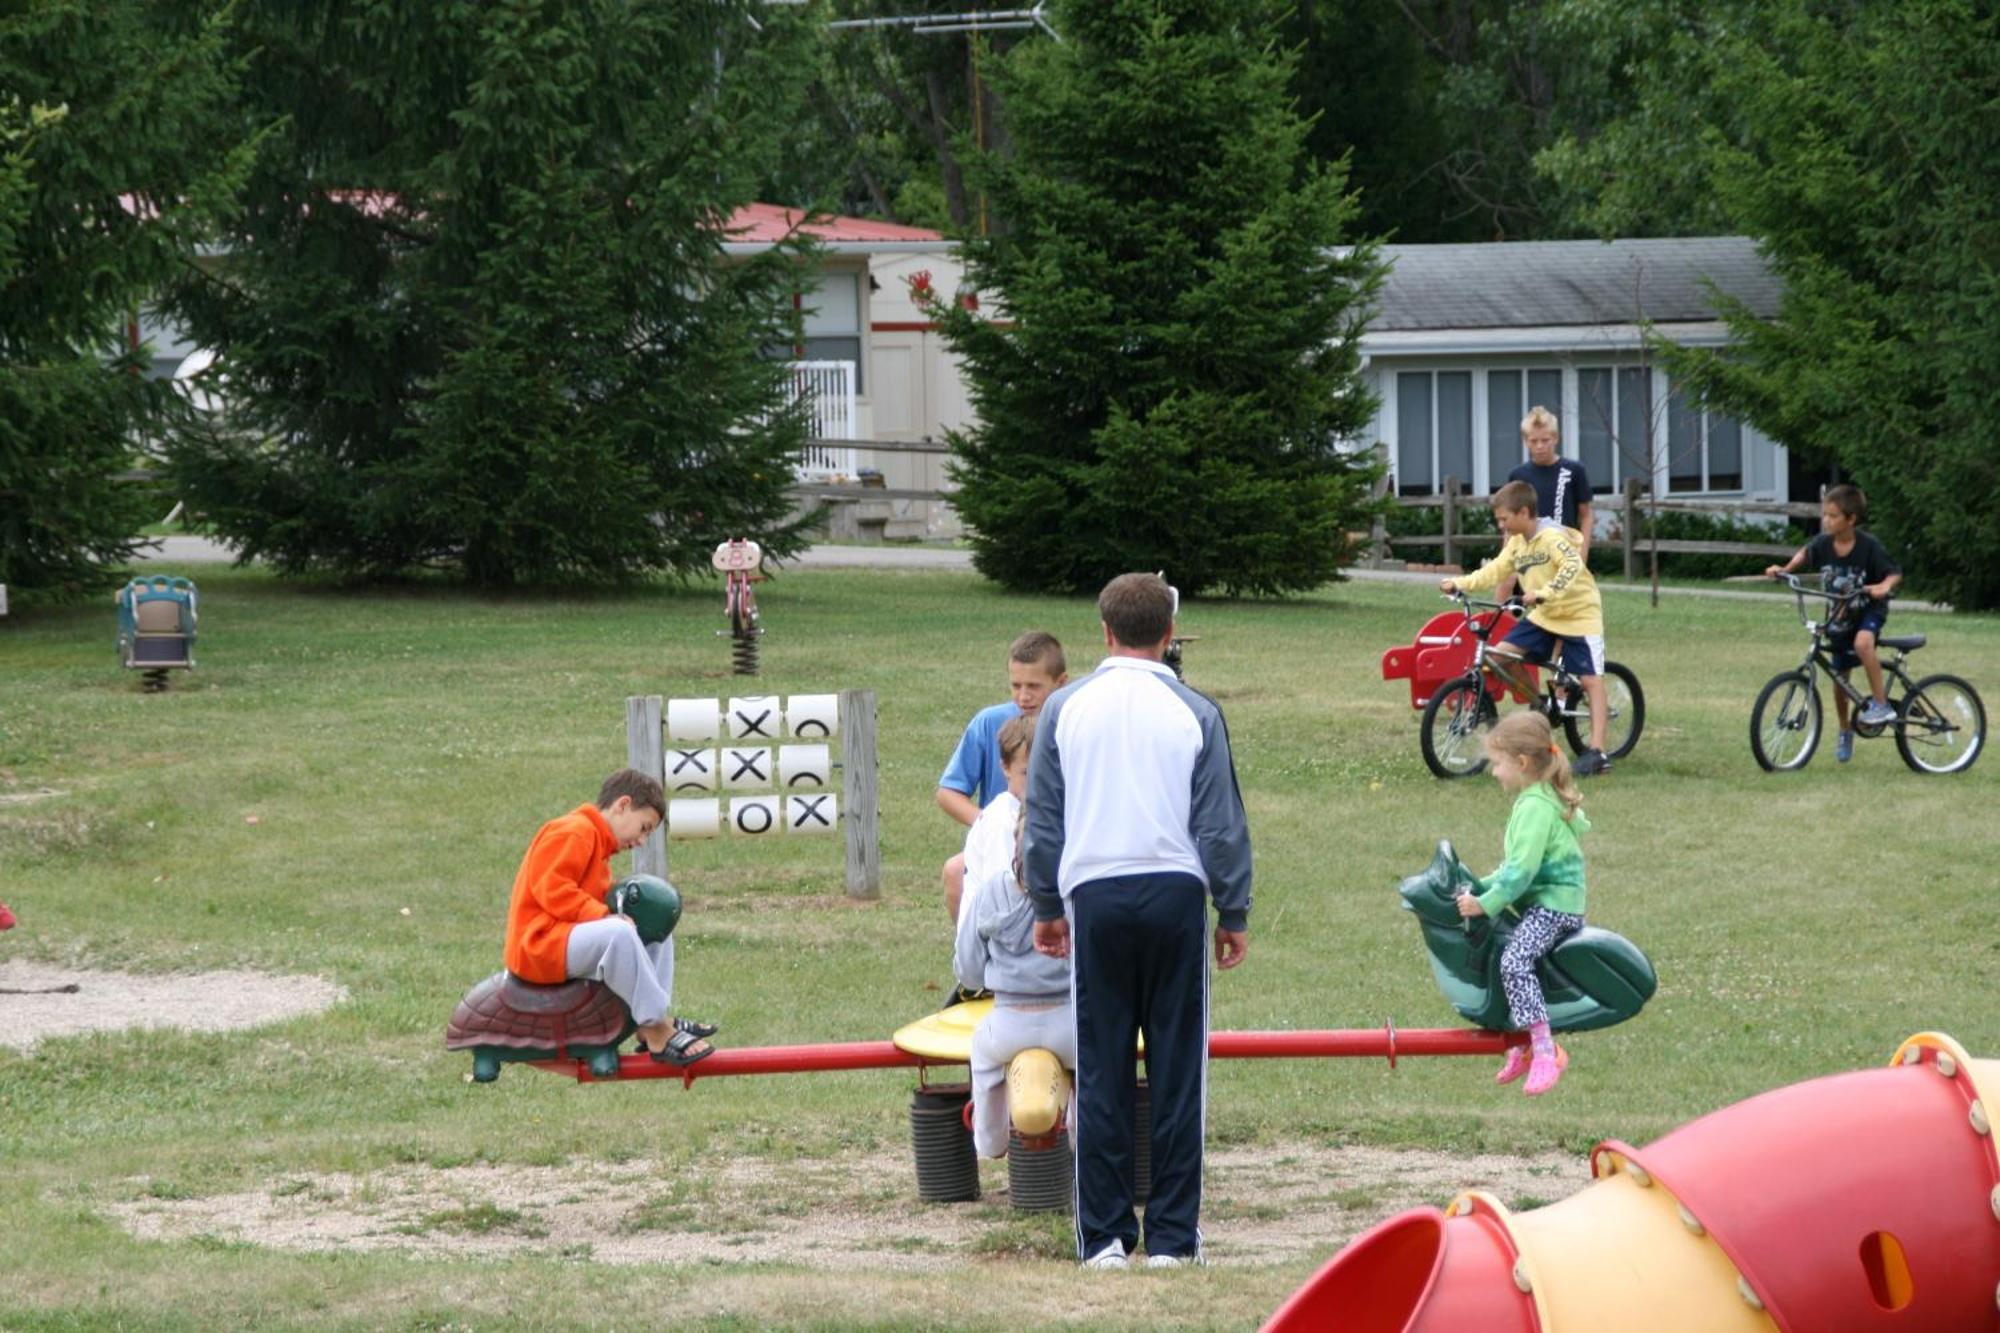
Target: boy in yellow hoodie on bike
1565,613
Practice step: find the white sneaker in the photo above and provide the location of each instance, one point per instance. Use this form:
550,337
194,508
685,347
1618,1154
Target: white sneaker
1875,714
1111,1256
1175,1261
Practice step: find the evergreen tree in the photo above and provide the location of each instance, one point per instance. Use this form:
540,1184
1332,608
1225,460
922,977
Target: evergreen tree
1372,88
1625,156
111,169
477,312
1171,366
1863,156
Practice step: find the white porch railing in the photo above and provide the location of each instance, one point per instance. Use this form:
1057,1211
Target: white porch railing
827,390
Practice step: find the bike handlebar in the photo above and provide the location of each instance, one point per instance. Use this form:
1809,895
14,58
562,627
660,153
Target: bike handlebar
1798,585
1511,604
1832,599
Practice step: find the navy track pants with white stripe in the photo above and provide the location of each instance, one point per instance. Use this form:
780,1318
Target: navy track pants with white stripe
1139,963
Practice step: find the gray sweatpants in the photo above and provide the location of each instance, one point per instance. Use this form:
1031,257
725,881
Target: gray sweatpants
609,950
1008,1031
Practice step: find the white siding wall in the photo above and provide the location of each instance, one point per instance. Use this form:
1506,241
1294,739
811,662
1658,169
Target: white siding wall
1763,461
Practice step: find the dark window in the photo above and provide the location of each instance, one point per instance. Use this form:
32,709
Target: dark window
1635,420
1683,444
835,349
1545,389
830,316
1597,413
1725,453
1454,426
1507,405
1503,425
1413,434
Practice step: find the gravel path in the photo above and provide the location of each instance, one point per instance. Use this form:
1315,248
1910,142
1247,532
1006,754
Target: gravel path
117,1001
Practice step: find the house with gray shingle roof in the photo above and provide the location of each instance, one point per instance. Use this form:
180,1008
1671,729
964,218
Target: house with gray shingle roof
1467,338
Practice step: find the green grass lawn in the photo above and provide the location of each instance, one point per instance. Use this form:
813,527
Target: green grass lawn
397,749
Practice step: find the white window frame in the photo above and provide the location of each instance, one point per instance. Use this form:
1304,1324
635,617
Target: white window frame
1392,417
802,294
1482,481
1762,462
1563,407
1624,464
1703,417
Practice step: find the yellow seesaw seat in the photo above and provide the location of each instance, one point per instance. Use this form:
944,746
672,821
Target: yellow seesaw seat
1037,1084
1037,1091
945,1036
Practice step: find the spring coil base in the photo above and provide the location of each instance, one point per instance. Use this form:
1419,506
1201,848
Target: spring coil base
947,1167
1040,1180
743,650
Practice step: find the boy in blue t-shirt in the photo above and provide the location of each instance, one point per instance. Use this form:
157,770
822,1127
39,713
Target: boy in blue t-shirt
1035,669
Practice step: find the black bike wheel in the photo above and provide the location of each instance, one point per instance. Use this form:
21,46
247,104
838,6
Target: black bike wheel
1785,724
1942,727
1625,704
1456,721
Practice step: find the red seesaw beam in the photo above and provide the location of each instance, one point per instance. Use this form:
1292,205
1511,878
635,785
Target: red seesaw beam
1325,1043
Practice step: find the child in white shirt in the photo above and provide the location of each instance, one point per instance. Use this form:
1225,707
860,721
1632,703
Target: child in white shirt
996,951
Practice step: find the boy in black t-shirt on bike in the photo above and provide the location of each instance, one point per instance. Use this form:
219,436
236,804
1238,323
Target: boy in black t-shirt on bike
1856,565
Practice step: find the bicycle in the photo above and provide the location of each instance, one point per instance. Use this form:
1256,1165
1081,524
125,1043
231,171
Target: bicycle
1940,724
1462,710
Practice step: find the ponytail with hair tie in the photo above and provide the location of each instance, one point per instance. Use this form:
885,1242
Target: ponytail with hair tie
1527,735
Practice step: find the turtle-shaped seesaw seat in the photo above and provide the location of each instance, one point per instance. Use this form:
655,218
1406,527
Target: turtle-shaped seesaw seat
504,1018
1594,978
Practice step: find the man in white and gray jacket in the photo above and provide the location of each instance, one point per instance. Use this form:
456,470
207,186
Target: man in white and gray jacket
1134,815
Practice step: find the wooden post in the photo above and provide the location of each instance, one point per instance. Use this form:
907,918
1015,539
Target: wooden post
857,786
1631,528
1451,520
644,751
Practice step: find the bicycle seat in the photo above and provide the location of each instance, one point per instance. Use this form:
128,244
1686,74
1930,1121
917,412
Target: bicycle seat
1908,643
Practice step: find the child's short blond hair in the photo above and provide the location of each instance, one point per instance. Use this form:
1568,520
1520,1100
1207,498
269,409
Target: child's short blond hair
1540,418
1515,495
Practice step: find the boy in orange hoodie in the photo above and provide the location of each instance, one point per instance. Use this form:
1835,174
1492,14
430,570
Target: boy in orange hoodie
558,927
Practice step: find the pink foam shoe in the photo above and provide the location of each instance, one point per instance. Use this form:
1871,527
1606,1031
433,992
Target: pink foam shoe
1544,1070
1516,1064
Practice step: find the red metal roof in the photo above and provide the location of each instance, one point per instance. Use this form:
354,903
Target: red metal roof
755,224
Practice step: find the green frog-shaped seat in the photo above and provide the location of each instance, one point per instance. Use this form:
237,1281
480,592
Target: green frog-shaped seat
1593,979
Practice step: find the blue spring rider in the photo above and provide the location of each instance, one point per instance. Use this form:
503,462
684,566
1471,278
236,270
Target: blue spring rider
156,618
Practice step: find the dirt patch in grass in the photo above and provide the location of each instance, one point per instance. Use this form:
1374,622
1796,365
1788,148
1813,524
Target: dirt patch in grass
23,797
37,1002
1262,1206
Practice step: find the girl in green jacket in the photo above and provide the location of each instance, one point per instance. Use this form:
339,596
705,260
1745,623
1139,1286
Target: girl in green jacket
1543,874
